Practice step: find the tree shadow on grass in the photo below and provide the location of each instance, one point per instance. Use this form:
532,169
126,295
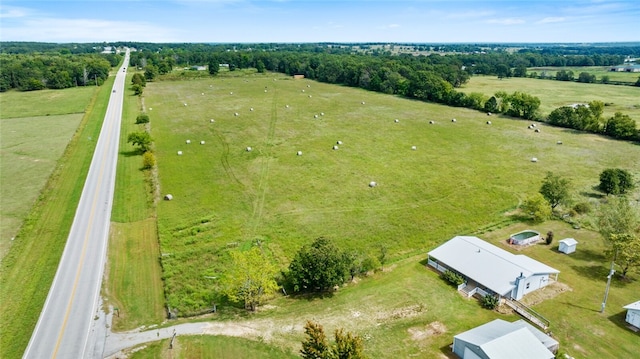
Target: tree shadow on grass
593,272
596,194
311,296
586,255
131,153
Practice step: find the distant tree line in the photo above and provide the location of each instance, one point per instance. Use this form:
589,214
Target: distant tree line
28,72
588,117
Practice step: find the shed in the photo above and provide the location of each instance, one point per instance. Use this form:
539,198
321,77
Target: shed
633,314
567,245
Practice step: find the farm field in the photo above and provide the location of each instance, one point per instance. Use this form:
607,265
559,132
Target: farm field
599,71
462,176
554,94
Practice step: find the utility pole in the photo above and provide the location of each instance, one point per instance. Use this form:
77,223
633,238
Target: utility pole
606,291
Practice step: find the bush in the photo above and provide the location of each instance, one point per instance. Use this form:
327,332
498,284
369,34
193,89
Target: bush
489,302
148,160
549,238
142,118
582,208
453,278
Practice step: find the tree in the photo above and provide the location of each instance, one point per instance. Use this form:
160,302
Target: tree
586,77
555,189
150,72
315,345
625,250
138,79
537,207
148,160
616,217
250,278
491,105
347,346
621,126
615,181
137,89
503,71
141,139
320,266
549,238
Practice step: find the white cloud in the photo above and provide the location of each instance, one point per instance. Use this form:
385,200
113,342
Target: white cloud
552,19
509,21
12,12
86,30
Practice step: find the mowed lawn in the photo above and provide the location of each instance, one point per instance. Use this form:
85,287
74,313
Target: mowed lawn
462,176
35,128
554,94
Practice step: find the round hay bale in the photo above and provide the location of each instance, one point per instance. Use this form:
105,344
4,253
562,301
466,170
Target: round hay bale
202,94
533,125
230,93
185,104
212,120
321,113
335,147
414,148
179,153
315,116
488,122
251,109
453,120
302,90
202,142
529,127
236,114
249,149
309,96
168,197
339,142
363,102
372,184
287,106
431,122
488,113
299,153
308,85
150,109
559,142
265,90
534,159
188,141
396,120
537,130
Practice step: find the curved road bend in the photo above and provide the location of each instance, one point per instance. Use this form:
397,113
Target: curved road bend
64,327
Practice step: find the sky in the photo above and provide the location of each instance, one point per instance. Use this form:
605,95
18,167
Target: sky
296,21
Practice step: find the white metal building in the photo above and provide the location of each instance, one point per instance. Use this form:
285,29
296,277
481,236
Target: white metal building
500,339
501,272
567,245
633,314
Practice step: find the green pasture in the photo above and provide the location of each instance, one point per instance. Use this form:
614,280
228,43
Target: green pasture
461,177
45,102
30,148
29,266
599,71
554,94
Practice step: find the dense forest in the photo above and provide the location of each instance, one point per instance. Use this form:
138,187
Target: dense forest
421,71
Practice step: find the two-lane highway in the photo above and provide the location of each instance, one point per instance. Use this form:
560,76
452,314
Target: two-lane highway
64,327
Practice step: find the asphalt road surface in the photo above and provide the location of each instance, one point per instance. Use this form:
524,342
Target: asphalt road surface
65,327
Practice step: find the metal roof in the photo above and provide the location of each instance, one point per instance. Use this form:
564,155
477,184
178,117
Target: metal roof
500,339
569,241
487,264
633,306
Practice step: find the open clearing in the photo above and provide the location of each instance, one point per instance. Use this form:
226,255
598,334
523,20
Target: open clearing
30,148
554,94
461,177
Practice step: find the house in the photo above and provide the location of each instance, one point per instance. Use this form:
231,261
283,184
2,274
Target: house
500,339
567,245
633,314
491,269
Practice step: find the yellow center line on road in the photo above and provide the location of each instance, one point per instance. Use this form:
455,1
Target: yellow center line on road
84,249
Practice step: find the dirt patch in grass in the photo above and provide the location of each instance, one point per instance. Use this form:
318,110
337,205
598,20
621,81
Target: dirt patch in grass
551,291
428,331
399,313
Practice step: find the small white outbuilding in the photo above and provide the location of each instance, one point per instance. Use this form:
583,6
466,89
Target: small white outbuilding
633,314
567,245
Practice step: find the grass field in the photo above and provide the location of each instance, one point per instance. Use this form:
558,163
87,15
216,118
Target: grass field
599,71
554,94
30,148
29,266
463,176
45,102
